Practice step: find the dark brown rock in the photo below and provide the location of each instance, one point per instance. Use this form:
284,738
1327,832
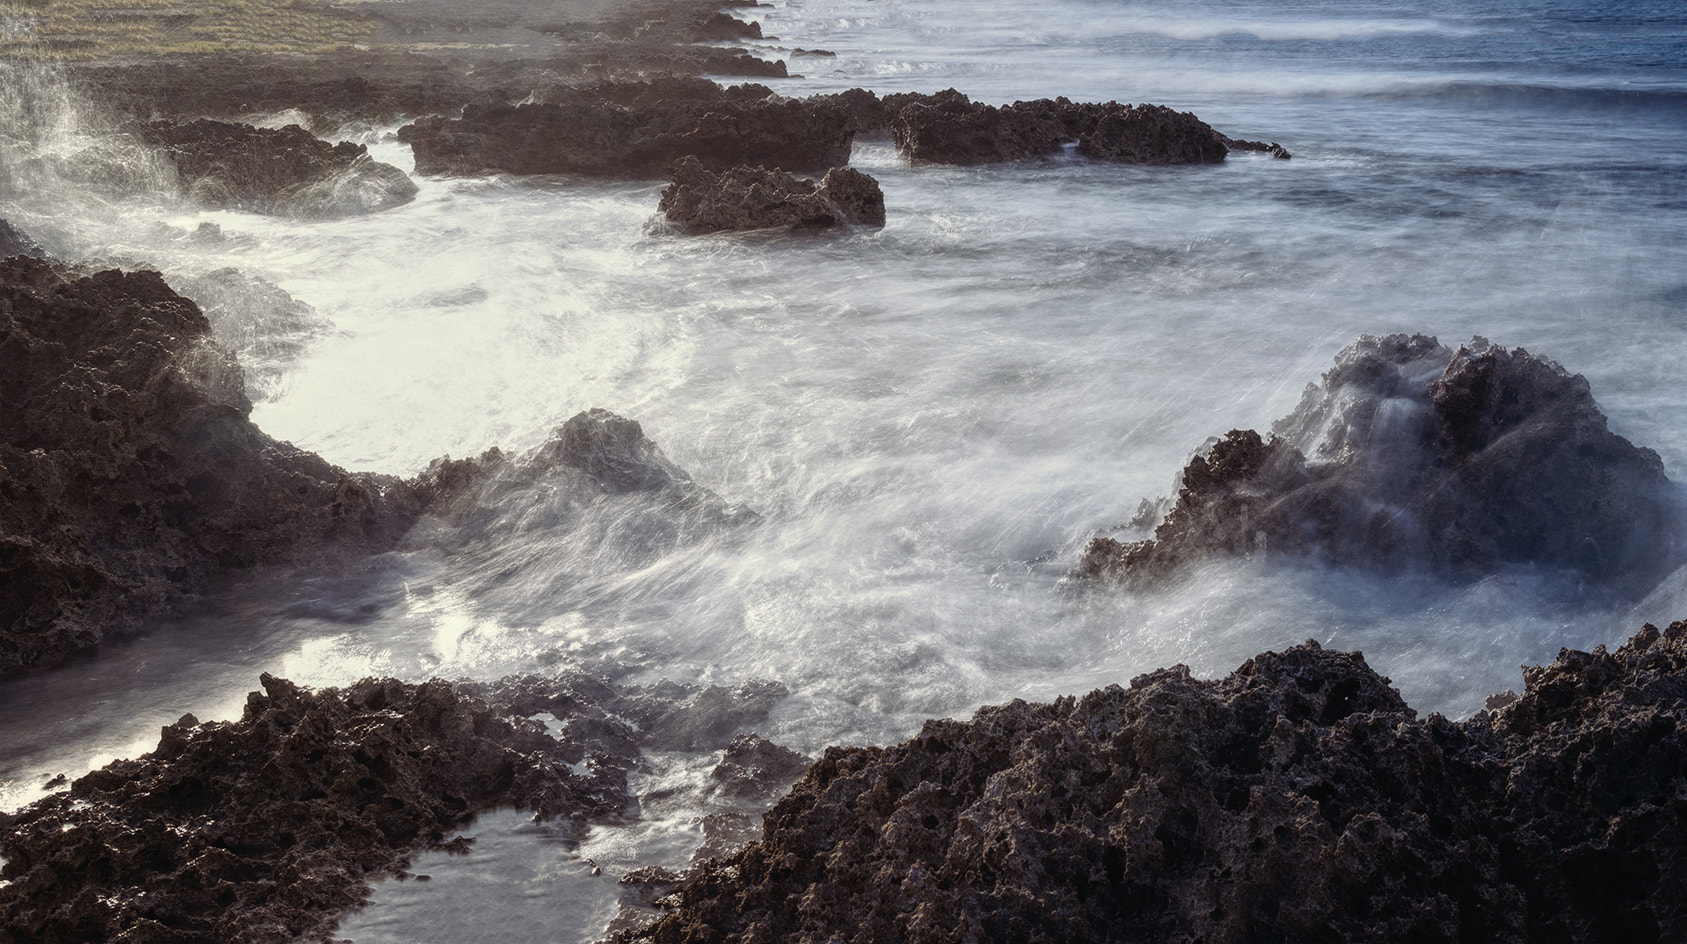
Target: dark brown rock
1272,147
949,128
285,172
265,829
621,142
1150,134
1299,799
1411,456
749,198
131,476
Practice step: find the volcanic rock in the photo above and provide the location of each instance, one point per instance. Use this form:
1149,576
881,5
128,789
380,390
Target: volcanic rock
749,198
285,172
621,142
1150,134
131,475
949,128
266,829
1299,799
1411,455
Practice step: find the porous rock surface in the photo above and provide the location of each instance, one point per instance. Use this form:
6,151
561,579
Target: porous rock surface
1411,455
750,198
949,128
131,476
618,141
266,829
284,172
1299,799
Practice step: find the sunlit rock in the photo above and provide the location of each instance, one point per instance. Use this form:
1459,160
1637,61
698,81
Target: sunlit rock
1409,455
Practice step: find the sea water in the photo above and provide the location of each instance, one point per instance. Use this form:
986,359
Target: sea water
932,418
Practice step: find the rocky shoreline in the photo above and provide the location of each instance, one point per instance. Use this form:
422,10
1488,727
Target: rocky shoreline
1299,798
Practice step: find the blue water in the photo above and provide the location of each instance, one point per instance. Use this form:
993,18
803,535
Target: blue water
933,417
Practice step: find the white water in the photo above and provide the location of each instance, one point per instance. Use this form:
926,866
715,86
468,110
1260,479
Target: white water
933,417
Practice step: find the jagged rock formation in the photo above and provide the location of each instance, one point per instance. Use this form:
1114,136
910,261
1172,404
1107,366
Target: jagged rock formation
285,172
131,475
266,829
749,198
1299,799
1411,455
949,128
608,140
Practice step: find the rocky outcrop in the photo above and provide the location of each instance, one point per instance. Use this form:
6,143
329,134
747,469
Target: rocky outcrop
1299,799
949,128
264,327
1411,455
266,829
1150,134
131,475
285,172
750,198
607,140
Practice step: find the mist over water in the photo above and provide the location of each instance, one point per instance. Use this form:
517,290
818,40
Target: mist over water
931,418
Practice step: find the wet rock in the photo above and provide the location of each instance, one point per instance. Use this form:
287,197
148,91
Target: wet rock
266,829
131,476
622,142
707,720
264,327
1272,148
1150,134
755,768
1297,799
1409,455
749,198
285,172
132,473
949,128
15,243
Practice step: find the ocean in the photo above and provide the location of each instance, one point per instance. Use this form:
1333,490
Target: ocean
932,418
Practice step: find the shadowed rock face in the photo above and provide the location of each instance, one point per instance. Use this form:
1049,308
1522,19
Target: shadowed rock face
949,128
749,198
1299,799
1410,455
606,140
131,476
285,172
266,829
1150,134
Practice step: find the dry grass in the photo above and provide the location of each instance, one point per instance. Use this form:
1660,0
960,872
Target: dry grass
88,29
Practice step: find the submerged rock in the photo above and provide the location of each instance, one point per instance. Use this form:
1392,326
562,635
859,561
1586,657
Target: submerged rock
266,829
609,140
15,243
1411,455
1298,799
131,475
286,172
749,198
